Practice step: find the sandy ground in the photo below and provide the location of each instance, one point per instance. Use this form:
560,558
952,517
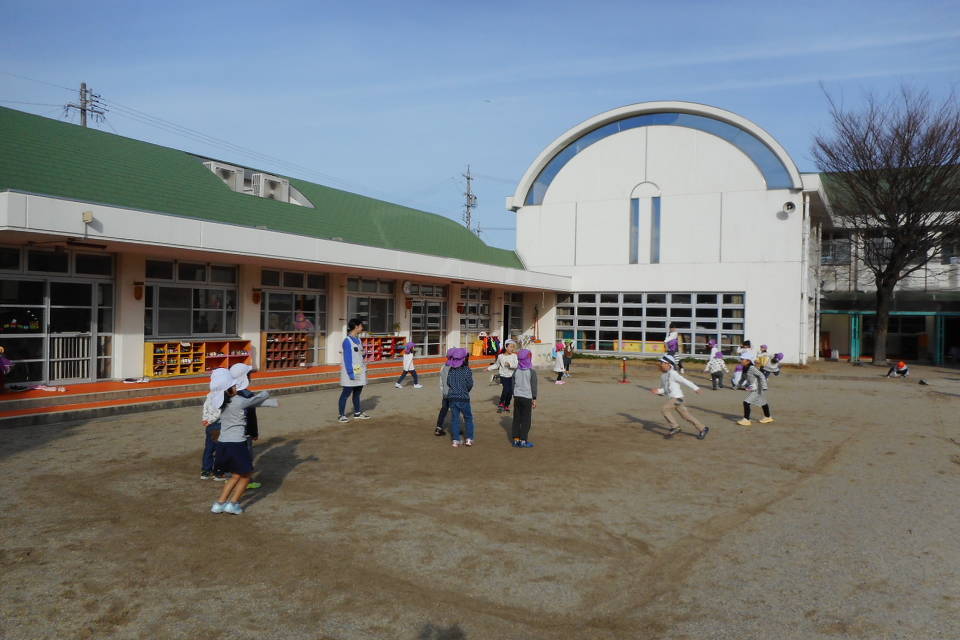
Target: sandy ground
839,520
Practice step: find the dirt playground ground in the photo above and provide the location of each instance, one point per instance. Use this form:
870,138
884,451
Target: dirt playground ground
839,520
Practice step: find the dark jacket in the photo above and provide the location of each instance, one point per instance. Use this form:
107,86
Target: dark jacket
253,429
459,383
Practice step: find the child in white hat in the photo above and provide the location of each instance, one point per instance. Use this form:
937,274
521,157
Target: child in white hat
670,381
220,381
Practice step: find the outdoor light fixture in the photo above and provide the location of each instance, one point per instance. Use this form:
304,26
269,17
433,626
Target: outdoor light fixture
137,290
789,207
257,293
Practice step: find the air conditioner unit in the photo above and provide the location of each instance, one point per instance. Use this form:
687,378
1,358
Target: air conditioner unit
272,187
232,176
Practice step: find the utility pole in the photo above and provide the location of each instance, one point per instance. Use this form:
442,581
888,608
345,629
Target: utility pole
89,101
470,201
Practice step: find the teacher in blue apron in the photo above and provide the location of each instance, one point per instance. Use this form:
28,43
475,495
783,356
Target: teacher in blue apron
353,371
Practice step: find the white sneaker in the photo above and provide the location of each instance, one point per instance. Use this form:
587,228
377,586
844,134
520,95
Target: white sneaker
398,385
469,442
218,507
232,507
418,386
343,419
560,382
361,416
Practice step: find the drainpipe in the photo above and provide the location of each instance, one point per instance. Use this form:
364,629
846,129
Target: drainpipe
804,248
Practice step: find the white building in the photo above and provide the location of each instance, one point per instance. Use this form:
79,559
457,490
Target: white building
673,213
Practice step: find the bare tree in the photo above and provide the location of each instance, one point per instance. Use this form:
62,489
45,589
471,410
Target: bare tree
892,176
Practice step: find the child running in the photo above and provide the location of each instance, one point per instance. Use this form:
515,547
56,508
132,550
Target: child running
505,365
756,382
558,366
716,367
408,367
524,399
670,382
459,384
220,381
233,454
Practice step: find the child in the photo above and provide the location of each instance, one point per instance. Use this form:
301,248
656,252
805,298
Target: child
773,366
505,365
558,367
445,403
567,357
6,366
757,384
241,374
459,384
716,367
715,351
670,382
220,381
763,358
524,399
408,367
672,345
233,454
737,377
899,370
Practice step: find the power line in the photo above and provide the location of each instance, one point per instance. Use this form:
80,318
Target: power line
89,102
49,84
35,104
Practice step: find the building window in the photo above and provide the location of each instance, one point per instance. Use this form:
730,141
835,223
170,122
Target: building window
48,261
638,322
835,248
475,316
634,230
205,307
950,249
655,230
370,286
513,314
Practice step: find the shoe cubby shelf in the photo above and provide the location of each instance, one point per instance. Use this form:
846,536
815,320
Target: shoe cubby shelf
186,358
382,347
286,349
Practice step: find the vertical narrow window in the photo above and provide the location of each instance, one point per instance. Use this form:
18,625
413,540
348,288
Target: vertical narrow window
655,230
634,230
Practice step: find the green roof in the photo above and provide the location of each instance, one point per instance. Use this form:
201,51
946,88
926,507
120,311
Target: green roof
45,156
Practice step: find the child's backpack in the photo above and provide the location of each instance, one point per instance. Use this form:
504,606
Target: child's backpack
673,345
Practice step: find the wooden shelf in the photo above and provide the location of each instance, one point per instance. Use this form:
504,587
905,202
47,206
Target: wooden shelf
286,349
184,358
376,348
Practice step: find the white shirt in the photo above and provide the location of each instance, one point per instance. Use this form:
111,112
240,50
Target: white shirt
507,363
408,361
670,382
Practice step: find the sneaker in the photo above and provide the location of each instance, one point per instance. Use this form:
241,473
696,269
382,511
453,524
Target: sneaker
703,434
343,419
438,431
398,385
418,386
673,431
206,475
516,442
218,507
506,408
361,416
765,420
525,445
743,422
455,444
254,485
469,442
232,507
220,477
559,382
499,408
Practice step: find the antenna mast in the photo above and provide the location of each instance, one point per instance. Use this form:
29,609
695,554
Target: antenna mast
470,201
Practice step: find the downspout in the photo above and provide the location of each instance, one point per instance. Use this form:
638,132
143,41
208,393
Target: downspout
819,292
804,247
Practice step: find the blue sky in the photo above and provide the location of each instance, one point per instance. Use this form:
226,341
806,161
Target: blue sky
393,99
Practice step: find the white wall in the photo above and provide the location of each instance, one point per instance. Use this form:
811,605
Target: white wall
721,229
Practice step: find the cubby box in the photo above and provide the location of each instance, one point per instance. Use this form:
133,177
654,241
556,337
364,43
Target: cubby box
286,349
185,358
382,347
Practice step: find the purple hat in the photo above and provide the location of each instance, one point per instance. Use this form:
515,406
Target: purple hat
455,357
712,342
409,347
764,347
524,359
778,356
739,367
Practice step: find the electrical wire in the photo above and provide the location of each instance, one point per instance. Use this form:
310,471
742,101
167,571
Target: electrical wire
49,84
35,104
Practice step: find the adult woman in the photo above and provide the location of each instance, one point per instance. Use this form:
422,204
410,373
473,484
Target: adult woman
353,371
506,365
